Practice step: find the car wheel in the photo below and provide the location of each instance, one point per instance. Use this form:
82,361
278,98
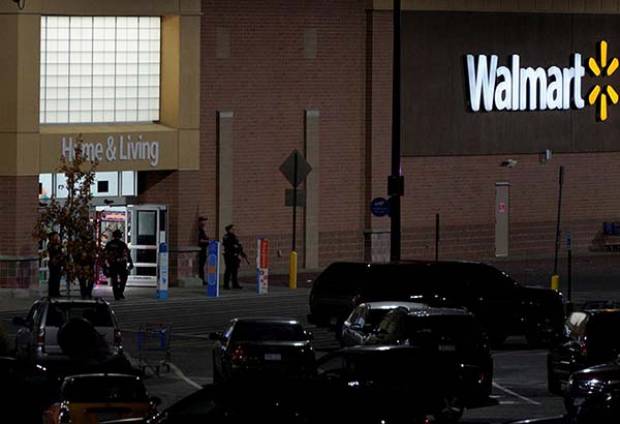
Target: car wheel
553,382
217,377
451,410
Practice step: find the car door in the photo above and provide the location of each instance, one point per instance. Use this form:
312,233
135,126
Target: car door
493,297
568,355
25,336
353,328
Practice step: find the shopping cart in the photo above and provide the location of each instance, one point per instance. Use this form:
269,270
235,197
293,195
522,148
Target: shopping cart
153,340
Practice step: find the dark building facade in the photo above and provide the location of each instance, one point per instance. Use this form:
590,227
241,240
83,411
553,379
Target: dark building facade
497,95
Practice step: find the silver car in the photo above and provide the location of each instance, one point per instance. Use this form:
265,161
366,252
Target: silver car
37,338
366,317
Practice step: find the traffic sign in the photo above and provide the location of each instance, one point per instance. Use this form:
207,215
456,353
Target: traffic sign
295,168
380,206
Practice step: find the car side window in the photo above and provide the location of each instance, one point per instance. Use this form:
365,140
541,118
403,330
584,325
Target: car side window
486,280
575,326
33,315
332,367
358,318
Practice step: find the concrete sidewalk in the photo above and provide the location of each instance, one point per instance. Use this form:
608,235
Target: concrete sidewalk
595,277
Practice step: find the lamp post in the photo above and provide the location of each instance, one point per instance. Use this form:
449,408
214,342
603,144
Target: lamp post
395,180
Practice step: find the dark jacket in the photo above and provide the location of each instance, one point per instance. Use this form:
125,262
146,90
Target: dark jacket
117,254
232,247
55,255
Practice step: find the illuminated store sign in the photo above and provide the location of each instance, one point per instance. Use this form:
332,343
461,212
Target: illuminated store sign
517,88
115,148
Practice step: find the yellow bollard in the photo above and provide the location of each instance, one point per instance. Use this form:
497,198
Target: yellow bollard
292,271
555,282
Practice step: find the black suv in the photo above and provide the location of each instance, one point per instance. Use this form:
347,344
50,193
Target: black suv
503,306
590,338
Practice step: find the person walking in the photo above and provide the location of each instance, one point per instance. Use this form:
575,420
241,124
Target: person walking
118,263
54,264
85,261
233,251
203,243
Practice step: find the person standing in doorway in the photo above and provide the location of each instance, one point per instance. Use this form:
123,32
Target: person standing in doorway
54,263
118,263
233,251
203,243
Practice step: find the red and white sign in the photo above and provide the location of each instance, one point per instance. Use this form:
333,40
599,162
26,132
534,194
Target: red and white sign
501,207
262,266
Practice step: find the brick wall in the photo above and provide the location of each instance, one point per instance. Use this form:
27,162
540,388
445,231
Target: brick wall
268,83
462,188
18,214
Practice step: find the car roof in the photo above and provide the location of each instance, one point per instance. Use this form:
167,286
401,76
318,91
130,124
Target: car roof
69,300
267,320
434,312
406,262
395,304
92,376
362,349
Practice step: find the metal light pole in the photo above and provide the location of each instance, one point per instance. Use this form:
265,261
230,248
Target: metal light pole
555,278
395,180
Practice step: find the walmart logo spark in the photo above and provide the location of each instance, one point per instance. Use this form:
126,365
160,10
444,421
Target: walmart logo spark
598,93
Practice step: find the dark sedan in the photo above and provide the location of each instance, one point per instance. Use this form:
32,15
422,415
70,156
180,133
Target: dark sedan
260,347
593,395
454,334
591,338
391,384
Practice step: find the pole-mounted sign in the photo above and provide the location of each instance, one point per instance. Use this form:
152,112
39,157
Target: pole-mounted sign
295,169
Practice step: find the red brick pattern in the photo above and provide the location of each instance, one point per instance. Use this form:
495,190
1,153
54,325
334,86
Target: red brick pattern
267,83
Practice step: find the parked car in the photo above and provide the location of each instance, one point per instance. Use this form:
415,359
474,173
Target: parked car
366,317
503,306
252,347
590,338
454,334
57,328
385,384
94,398
593,395
550,420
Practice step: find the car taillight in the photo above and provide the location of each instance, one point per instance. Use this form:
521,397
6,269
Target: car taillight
239,355
118,338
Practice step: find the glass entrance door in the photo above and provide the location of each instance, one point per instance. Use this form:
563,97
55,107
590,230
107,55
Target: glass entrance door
146,230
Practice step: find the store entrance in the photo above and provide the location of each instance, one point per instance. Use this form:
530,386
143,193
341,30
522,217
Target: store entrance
144,227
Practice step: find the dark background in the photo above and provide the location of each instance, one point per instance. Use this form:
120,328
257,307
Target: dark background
436,118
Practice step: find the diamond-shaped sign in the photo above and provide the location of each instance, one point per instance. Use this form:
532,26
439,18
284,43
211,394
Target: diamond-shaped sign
295,168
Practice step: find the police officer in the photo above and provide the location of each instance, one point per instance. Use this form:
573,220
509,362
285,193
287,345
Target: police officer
54,263
233,251
118,263
203,243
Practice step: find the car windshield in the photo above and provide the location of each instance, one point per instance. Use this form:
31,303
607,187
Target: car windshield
104,389
268,331
96,313
460,330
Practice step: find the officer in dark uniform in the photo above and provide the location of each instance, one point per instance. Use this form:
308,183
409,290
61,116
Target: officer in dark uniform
54,264
118,263
203,243
233,251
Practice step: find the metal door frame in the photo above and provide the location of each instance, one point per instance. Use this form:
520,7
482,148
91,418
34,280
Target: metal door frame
160,237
